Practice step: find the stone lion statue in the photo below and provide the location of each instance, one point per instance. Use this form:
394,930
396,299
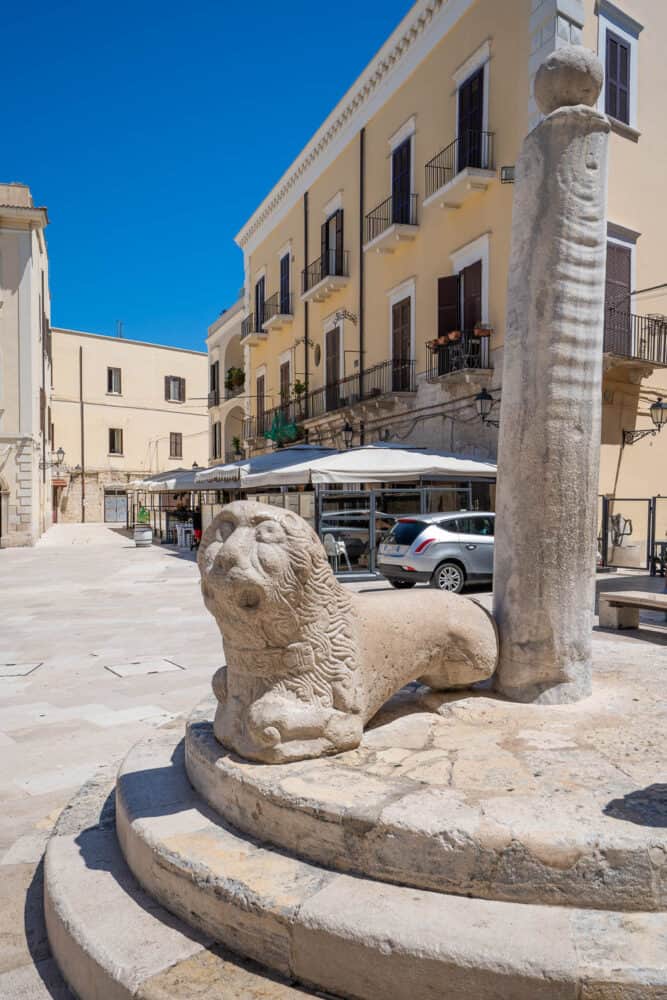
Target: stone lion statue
308,663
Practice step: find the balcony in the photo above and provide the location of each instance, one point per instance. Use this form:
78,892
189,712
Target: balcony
392,222
325,276
381,381
291,414
213,398
278,311
232,391
468,353
249,334
636,343
461,169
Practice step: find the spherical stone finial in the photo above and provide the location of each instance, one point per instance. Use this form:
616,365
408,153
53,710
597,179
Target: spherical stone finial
571,75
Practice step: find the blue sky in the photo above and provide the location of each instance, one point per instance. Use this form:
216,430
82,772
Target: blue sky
152,130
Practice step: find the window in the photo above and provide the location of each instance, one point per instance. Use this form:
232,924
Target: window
405,532
471,122
216,440
174,389
401,345
472,526
175,445
115,441
617,78
259,303
332,245
284,286
401,182
260,403
113,381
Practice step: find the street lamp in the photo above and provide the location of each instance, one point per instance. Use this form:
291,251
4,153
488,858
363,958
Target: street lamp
57,460
485,402
60,454
658,412
348,434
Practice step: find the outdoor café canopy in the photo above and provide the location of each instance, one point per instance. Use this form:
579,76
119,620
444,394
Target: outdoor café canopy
235,474
174,481
379,463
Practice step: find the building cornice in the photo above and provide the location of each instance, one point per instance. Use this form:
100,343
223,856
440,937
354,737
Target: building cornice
125,340
425,24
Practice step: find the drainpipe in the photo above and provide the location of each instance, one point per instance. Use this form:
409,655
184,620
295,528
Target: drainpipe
83,458
306,339
362,164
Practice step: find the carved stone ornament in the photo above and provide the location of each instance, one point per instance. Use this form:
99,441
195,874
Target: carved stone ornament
308,663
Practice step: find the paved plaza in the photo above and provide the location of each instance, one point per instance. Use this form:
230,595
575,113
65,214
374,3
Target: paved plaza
100,642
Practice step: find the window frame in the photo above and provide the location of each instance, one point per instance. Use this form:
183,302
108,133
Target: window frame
119,431
175,438
625,28
111,369
169,380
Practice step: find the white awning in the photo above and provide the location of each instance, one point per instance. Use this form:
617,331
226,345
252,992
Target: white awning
174,481
374,464
272,461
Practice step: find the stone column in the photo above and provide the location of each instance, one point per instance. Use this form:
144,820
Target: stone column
548,456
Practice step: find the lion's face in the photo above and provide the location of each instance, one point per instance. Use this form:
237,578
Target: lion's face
255,561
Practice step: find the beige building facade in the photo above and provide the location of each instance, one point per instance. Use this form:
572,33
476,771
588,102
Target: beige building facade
376,268
25,369
227,393
122,410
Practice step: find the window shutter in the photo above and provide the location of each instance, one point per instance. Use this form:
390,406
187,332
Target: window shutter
109,380
324,263
166,387
472,295
449,298
339,241
181,389
617,100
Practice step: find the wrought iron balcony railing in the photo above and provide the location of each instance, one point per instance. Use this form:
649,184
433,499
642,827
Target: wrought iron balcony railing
279,304
231,391
249,326
471,149
391,212
397,375
639,337
334,263
469,351
213,398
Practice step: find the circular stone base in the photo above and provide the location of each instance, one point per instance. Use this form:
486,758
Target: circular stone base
471,795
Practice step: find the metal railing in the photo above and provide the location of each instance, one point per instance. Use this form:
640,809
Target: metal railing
392,211
334,263
470,149
278,305
468,352
213,398
396,375
631,336
249,326
292,411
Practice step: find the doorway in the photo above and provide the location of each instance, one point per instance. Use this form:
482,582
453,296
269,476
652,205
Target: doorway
115,506
401,346
332,372
401,180
471,121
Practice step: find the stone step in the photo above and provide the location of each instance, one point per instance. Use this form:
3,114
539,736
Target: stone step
467,795
356,937
112,941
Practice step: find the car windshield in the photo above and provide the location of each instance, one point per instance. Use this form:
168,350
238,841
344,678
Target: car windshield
405,532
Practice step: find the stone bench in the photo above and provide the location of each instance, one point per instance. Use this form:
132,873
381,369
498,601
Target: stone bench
620,609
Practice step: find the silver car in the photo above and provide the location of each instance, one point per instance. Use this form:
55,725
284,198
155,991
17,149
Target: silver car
445,550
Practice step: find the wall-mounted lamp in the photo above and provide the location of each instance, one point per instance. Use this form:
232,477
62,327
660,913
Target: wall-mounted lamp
658,411
54,461
485,402
348,434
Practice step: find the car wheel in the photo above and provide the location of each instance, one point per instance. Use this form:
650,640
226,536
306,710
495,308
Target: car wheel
402,584
448,576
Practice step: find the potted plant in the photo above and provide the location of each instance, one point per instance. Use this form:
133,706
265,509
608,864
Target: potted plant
143,532
299,390
236,447
483,329
234,379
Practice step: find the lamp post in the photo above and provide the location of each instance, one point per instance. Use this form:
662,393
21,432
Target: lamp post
485,402
658,412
